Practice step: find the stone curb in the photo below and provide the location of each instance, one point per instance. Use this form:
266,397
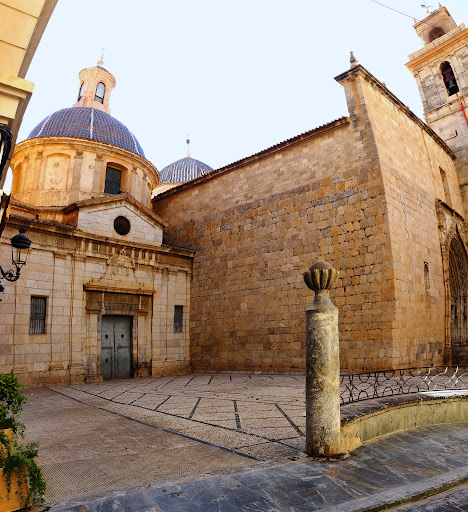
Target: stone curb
387,500
405,494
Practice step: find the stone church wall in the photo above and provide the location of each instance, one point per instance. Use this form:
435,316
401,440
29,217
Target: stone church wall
83,279
413,165
259,224
256,230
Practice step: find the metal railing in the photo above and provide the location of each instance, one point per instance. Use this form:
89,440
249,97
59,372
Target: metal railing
355,387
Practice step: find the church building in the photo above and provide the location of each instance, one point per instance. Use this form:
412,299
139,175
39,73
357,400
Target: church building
378,193
135,272
101,295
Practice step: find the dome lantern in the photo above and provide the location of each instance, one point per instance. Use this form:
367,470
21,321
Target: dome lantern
95,88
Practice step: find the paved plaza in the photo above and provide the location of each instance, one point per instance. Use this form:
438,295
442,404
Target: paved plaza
262,416
223,442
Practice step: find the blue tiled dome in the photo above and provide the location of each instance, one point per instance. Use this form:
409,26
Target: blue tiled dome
90,124
184,170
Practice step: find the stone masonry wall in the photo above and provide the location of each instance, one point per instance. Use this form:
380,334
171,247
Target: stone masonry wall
60,267
412,162
258,228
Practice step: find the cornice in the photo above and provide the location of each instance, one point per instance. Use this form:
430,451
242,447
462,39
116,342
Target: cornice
85,144
272,150
441,45
114,199
63,230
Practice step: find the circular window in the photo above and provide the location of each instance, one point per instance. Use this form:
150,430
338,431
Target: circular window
122,225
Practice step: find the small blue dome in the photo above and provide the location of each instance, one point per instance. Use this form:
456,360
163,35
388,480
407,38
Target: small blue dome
89,124
183,170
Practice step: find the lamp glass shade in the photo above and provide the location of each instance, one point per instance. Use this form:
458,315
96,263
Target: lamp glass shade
20,244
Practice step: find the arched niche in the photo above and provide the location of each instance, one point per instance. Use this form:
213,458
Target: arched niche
435,33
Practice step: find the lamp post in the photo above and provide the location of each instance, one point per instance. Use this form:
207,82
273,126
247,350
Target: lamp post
20,244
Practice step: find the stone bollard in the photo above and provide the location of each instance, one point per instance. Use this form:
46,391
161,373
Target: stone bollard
323,365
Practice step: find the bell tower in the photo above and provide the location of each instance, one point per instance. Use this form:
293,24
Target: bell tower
441,72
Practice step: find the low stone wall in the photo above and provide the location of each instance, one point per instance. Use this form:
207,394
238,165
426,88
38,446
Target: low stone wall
364,421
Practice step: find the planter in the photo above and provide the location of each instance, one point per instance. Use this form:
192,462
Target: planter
14,499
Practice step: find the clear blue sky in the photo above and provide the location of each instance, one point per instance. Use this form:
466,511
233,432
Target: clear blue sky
238,76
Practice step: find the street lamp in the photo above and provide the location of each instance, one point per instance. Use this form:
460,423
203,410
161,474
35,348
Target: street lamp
20,244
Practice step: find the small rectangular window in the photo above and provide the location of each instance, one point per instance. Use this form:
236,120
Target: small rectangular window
178,318
113,180
38,315
427,280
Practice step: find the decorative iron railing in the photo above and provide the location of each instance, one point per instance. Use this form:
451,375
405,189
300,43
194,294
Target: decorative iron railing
355,387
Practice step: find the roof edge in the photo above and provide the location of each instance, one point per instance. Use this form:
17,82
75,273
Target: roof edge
337,123
112,199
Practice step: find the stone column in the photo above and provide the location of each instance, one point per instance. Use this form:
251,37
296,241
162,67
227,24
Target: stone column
323,365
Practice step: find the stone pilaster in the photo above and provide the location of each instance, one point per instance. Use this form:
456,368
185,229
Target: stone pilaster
75,185
97,174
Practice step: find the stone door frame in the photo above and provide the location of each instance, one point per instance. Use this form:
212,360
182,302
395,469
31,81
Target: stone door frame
112,302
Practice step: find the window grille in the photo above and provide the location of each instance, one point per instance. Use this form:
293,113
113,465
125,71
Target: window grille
178,318
38,315
113,180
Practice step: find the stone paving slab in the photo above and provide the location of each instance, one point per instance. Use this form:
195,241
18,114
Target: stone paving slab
239,411
86,451
388,472
221,442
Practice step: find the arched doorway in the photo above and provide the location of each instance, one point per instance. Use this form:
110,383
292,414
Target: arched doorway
458,275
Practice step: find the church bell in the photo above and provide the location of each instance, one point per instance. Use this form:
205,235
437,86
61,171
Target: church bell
452,87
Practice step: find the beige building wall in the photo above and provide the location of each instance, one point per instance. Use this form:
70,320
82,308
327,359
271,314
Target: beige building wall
329,194
83,278
22,23
414,165
59,171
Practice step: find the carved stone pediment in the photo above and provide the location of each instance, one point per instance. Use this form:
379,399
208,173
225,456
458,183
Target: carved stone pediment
119,276
119,265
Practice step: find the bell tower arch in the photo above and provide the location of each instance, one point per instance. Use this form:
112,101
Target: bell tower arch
441,72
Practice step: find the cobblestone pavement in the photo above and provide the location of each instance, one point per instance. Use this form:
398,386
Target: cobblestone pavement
110,448
86,451
258,415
